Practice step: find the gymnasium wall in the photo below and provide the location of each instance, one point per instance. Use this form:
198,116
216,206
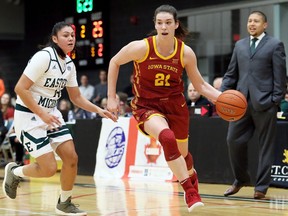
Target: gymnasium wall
40,16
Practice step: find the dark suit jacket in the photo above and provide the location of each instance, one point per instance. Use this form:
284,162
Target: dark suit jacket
261,75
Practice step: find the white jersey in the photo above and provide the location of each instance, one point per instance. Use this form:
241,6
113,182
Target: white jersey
50,75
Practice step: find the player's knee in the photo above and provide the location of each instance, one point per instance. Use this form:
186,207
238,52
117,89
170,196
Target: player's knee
73,161
189,161
169,144
70,160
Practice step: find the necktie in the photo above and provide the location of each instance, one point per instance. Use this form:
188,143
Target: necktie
253,45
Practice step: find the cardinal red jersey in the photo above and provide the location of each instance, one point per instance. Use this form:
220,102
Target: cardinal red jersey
158,89
157,76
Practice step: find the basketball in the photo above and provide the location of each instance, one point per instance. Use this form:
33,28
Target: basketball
231,105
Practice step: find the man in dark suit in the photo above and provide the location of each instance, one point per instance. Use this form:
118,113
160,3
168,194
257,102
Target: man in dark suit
259,72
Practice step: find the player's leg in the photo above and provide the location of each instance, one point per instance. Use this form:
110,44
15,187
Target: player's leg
179,124
183,148
153,122
158,127
66,151
41,168
14,172
33,136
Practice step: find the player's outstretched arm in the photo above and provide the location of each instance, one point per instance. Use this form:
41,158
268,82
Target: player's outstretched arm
80,101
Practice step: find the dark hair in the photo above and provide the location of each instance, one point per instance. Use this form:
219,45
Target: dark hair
56,28
261,14
181,32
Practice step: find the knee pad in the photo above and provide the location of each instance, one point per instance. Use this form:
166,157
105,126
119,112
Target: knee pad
189,161
169,144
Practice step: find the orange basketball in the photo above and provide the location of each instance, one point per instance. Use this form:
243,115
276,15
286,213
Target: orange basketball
231,105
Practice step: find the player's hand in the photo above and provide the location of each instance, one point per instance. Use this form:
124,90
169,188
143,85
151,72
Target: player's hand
218,93
106,114
52,121
113,106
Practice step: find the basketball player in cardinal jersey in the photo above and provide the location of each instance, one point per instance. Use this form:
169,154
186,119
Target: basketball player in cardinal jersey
159,104
39,124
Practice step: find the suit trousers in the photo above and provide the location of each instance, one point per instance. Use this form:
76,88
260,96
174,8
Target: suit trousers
263,123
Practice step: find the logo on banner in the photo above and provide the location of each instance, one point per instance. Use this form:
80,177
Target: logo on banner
115,147
279,172
285,154
152,151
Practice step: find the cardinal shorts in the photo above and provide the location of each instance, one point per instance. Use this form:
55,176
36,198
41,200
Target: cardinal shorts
173,109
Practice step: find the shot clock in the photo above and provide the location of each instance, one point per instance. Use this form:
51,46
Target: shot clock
84,5
89,19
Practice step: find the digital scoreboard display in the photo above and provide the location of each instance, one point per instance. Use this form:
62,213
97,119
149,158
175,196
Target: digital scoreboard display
90,21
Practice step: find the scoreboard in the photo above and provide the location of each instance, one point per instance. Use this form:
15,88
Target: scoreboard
90,20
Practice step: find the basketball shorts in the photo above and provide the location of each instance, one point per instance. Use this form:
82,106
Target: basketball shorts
174,109
33,133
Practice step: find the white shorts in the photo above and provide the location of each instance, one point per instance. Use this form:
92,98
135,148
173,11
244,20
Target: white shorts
33,133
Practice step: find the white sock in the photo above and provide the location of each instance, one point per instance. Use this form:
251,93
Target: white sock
65,195
18,171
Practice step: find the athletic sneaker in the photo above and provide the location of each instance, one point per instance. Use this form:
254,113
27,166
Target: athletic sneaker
68,208
194,180
192,199
11,181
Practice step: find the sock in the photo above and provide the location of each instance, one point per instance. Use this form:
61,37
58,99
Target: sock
194,180
18,171
186,184
193,177
65,195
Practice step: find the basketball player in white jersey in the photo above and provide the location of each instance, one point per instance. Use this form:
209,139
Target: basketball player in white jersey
39,124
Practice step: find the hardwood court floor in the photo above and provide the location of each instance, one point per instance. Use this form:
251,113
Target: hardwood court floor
138,198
